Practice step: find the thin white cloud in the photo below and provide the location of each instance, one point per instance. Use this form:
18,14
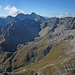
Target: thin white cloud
65,15
12,10
61,15
0,8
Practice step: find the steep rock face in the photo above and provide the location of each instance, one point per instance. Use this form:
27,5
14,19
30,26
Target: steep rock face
18,32
69,22
57,26
50,22
49,26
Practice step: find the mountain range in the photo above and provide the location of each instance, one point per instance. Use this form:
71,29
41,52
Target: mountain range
34,45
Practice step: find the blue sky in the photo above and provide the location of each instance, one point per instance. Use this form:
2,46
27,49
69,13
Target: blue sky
49,8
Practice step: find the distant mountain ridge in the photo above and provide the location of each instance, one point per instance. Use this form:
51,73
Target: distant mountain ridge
21,16
31,16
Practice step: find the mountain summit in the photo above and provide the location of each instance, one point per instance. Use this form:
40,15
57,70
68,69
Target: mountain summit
31,16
